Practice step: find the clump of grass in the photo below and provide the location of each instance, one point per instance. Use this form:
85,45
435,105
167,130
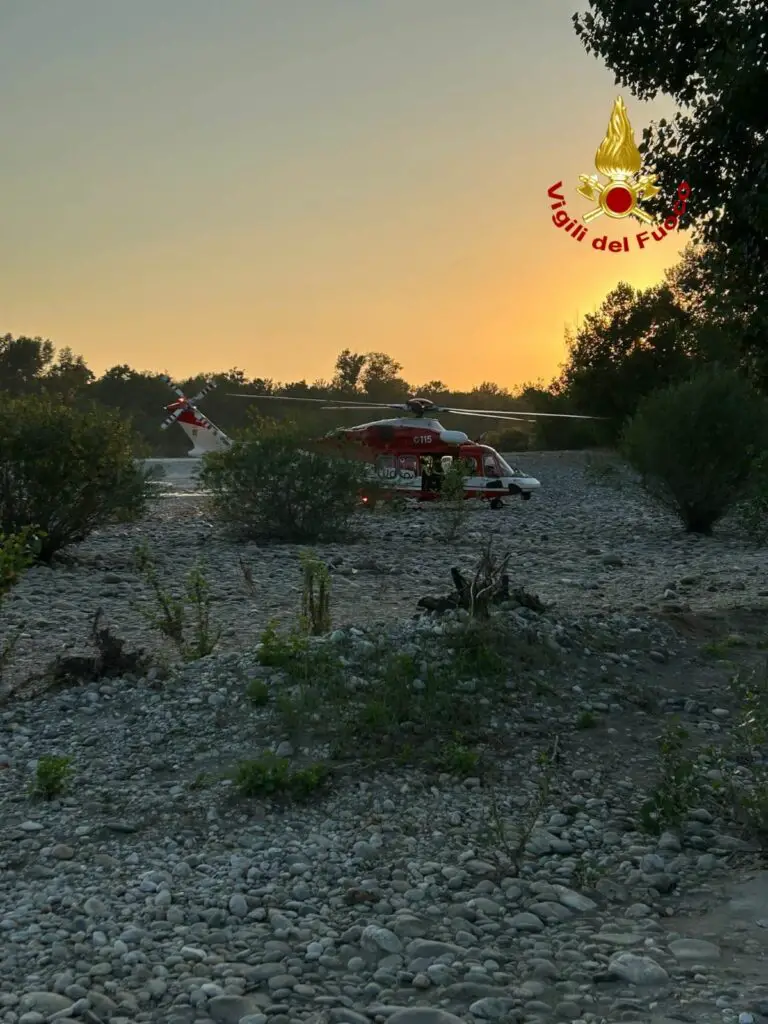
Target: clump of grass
257,693
508,843
316,595
587,720
452,500
272,776
679,787
185,621
742,793
457,758
719,649
52,777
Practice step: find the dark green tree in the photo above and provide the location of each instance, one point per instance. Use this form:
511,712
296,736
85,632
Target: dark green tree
23,361
381,379
634,343
349,366
69,376
712,59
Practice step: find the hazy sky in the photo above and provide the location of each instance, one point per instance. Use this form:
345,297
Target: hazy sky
191,185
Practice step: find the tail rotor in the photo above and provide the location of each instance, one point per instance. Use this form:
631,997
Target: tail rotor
204,434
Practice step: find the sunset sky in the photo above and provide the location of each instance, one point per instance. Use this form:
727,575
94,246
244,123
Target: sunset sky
190,186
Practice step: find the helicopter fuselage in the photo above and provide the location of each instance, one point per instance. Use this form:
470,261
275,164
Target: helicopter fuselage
409,457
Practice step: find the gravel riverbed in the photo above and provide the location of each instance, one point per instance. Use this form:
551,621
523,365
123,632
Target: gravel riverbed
149,892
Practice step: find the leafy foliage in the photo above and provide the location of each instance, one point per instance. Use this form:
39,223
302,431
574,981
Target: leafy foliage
695,444
65,471
270,487
185,621
17,552
752,512
636,342
272,776
712,60
52,777
315,595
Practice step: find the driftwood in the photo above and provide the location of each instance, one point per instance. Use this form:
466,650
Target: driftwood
478,599
109,659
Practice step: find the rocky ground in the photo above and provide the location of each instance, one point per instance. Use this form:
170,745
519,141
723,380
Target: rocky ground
521,887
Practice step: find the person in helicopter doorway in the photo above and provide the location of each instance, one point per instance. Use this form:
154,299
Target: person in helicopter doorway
427,465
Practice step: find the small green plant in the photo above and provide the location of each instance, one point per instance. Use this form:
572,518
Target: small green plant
171,615
510,844
456,758
52,776
587,720
719,649
271,776
452,500
258,693
17,553
316,595
679,785
280,650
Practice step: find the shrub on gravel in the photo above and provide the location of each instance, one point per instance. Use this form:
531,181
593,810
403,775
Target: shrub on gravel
52,776
695,445
65,471
185,620
270,487
272,776
752,513
17,552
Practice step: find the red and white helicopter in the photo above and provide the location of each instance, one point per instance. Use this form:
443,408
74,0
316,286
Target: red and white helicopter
407,455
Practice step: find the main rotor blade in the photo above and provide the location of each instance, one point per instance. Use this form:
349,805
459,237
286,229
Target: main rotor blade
174,387
323,401
209,386
511,414
172,418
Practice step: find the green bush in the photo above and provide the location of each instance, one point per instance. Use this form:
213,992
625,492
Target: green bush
270,487
694,444
752,512
65,471
17,552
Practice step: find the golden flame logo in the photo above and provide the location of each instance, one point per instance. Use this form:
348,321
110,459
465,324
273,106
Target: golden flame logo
618,159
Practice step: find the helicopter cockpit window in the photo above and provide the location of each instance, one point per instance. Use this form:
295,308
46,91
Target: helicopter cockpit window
470,465
490,466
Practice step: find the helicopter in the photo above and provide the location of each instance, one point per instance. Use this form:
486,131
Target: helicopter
407,455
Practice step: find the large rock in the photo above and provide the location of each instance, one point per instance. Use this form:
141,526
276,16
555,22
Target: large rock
637,970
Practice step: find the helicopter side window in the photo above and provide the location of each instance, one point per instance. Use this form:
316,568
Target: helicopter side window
470,465
408,467
385,467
